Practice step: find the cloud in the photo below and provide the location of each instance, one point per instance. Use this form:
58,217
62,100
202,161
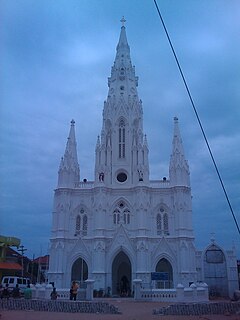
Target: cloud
55,60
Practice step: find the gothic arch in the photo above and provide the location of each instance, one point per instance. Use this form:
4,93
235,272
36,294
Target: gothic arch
79,251
168,254
215,270
78,221
162,205
164,267
122,120
162,220
79,271
121,274
121,199
121,212
121,242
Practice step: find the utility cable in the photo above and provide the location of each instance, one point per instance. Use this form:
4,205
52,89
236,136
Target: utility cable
197,116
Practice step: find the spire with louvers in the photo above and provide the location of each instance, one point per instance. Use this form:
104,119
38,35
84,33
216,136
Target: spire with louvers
122,152
68,174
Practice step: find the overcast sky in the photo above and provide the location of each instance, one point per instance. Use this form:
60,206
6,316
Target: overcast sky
55,58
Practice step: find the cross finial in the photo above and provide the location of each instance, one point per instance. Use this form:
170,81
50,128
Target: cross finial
123,20
213,237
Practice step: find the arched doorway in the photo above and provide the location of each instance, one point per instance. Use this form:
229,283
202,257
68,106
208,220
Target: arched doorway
121,275
79,271
164,267
215,271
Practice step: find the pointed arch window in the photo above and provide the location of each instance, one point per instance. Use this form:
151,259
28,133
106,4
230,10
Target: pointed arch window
85,225
162,224
121,215
165,224
121,139
78,224
81,223
159,223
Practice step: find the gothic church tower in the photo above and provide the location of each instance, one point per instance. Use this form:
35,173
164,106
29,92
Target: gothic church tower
122,151
122,226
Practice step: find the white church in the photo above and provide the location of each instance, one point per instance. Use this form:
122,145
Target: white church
123,226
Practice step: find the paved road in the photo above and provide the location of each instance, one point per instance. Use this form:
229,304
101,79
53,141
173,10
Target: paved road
130,310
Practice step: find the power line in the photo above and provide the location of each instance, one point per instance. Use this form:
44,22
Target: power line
197,116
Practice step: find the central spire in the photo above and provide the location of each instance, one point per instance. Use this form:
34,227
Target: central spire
122,152
123,83
122,43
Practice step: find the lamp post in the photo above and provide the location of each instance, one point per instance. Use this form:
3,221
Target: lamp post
22,250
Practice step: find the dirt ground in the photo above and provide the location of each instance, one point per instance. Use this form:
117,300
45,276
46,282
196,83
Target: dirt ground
130,310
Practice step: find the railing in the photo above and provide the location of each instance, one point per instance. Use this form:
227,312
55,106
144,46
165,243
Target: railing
43,292
159,295
152,183
85,184
159,183
64,294
173,295
194,293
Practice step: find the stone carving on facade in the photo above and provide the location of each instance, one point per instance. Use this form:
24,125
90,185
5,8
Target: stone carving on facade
121,240
142,246
101,177
59,245
140,175
99,246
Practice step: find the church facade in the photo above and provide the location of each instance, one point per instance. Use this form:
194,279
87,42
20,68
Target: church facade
123,226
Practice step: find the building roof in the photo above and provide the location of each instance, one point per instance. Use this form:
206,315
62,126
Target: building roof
10,266
42,260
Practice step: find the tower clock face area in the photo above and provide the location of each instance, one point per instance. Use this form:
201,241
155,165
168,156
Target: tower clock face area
121,176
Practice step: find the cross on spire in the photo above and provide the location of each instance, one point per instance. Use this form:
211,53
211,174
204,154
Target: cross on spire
212,237
123,20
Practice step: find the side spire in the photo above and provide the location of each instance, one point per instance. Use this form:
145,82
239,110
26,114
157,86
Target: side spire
69,173
178,169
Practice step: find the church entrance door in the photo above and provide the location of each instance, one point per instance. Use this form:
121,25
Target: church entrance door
165,268
121,275
79,272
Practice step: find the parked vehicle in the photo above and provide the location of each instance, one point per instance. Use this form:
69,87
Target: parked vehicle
12,281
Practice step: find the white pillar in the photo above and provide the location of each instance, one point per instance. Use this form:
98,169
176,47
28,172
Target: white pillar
89,290
180,292
137,289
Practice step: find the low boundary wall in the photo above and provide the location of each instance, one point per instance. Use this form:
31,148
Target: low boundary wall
194,293
58,306
195,309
